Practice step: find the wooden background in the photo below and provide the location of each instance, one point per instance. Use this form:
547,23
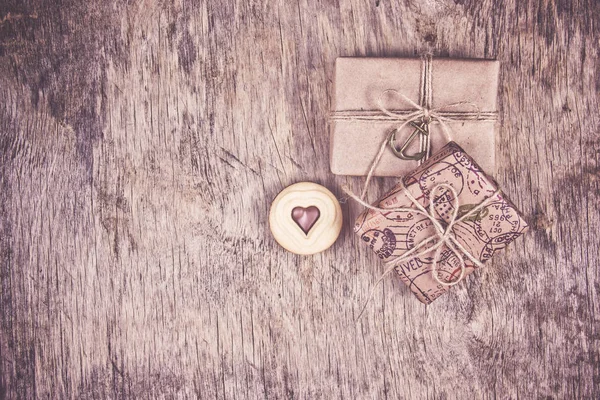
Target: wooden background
142,141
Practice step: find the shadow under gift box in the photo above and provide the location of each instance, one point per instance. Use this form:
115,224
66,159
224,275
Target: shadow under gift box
359,84
391,234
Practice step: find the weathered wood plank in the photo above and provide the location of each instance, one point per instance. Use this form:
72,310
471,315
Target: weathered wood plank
142,142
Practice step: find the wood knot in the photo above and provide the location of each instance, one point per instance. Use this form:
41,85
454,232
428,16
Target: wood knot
430,38
540,221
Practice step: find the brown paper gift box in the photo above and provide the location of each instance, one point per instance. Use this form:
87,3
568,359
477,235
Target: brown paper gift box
359,82
488,230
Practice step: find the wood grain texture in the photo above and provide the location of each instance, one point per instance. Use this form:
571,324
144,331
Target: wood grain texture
141,143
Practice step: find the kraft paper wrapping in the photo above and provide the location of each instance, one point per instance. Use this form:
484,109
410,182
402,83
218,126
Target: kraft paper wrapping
491,229
359,82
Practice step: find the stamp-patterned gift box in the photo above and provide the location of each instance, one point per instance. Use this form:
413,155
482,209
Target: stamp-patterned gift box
480,229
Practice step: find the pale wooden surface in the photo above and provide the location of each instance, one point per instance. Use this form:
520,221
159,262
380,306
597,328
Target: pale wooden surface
142,141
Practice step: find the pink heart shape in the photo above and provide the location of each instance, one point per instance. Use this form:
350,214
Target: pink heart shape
305,217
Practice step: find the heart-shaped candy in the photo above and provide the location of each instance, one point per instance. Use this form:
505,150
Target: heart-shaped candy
305,217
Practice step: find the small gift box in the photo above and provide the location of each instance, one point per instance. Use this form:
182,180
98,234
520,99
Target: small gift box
442,222
375,96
